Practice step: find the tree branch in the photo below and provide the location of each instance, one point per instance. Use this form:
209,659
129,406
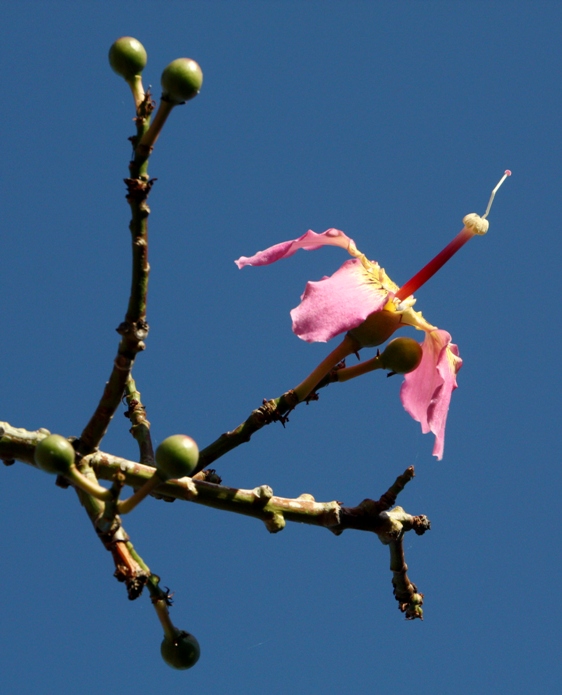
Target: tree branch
134,329
375,516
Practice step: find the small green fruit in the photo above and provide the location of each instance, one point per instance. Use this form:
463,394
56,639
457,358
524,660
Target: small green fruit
127,57
401,355
376,328
181,80
54,454
176,456
182,652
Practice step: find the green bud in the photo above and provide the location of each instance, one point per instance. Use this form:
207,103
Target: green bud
127,57
54,454
176,456
376,328
182,652
181,81
401,355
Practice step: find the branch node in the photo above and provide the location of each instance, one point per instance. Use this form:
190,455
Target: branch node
269,412
275,522
393,526
138,190
331,517
209,475
127,569
137,330
262,495
191,491
421,524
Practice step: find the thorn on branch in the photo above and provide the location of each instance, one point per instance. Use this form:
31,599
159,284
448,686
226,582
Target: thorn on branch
144,109
169,600
138,190
312,396
269,411
331,376
132,405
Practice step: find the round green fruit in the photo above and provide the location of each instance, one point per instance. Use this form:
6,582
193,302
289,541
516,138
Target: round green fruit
182,652
401,355
127,57
176,456
376,328
54,454
181,80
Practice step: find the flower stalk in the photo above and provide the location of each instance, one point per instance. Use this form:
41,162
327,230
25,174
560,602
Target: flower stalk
88,486
347,373
474,225
347,347
126,506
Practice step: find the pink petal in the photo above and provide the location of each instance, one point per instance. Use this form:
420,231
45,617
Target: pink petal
426,392
309,242
338,303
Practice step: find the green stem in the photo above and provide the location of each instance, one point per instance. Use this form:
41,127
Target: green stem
138,559
161,602
88,486
135,83
149,138
140,428
347,373
126,506
161,608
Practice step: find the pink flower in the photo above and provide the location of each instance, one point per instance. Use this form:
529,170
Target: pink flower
362,300
334,304
426,392
361,290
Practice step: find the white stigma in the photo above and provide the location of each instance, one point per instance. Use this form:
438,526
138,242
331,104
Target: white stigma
503,178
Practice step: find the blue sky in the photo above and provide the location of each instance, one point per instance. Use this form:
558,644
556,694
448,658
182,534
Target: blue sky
390,121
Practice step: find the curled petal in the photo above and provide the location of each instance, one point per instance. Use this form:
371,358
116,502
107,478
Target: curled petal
309,242
338,303
426,392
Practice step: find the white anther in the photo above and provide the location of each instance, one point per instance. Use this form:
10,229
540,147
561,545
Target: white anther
477,224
